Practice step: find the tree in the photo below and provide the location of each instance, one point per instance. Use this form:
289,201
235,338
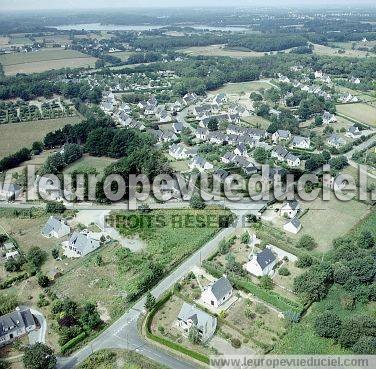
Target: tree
193,335
150,301
55,253
366,240
284,271
213,124
366,345
14,264
260,155
53,207
39,356
43,280
37,147
355,327
36,257
197,202
307,242
90,316
341,273
338,162
266,282
72,152
53,165
318,121
99,260
328,325
304,261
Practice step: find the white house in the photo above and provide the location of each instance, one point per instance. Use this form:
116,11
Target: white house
218,293
9,191
328,118
336,141
261,263
82,244
300,142
293,226
292,160
280,135
202,133
289,209
55,228
200,163
353,132
190,315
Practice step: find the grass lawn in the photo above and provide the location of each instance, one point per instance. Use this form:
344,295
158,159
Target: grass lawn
255,121
89,162
15,136
220,50
43,60
118,359
123,55
331,51
361,112
242,87
327,220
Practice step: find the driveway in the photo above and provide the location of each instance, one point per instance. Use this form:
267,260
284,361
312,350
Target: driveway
38,335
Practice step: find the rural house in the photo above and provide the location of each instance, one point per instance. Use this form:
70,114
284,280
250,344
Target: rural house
55,228
261,263
289,209
82,244
218,293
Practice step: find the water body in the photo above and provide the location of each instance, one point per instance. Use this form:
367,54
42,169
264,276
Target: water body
120,27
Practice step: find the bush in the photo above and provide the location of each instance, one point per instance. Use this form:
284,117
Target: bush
73,342
328,325
307,242
235,342
284,271
304,261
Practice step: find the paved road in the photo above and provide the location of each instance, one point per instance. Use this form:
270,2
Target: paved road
123,334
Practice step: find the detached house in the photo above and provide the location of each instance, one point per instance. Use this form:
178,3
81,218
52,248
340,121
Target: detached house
200,163
290,209
190,315
279,153
292,160
281,135
10,191
177,127
328,118
55,228
218,293
82,244
15,325
202,133
336,141
293,226
300,142
262,263
353,132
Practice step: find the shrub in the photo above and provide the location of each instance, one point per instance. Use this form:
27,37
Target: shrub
235,342
328,325
284,271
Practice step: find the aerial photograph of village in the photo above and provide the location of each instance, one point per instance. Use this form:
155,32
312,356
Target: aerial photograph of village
187,185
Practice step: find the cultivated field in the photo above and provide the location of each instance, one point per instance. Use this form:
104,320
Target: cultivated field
220,50
43,60
123,55
331,51
360,112
15,136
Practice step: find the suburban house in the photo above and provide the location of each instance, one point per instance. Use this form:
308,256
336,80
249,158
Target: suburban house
336,141
189,98
353,132
10,191
15,325
328,118
279,153
261,263
55,228
200,163
228,158
82,244
190,315
202,133
299,142
220,99
11,254
289,209
292,160
348,98
241,150
177,127
281,134
181,151
293,226
354,80
217,293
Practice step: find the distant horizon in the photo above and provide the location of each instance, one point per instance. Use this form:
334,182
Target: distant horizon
92,5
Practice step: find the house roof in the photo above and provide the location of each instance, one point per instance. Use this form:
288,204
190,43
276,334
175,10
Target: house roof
15,320
295,222
280,151
53,224
200,319
265,258
83,243
221,288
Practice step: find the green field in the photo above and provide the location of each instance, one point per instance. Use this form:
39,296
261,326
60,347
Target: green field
45,59
123,55
243,87
220,50
89,162
322,215
331,51
360,112
15,136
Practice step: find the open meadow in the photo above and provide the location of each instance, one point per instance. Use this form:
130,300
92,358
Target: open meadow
242,87
220,50
89,162
323,50
43,60
360,112
15,136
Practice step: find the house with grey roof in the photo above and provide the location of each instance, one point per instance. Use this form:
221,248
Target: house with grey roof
328,118
15,325
292,160
82,244
300,142
202,133
353,132
10,191
217,293
280,135
279,153
198,162
262,263
190,316
177,127
228,157
293,226
336,141
55,228
290,209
